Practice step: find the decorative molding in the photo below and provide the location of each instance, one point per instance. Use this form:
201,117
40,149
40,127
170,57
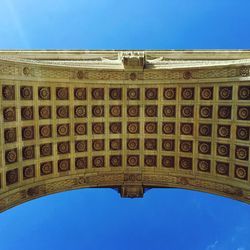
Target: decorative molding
99,68
133,188
125,120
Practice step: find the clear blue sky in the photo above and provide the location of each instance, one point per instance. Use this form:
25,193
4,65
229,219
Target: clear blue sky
97,218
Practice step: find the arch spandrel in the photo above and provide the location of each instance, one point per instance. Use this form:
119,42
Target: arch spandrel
127,120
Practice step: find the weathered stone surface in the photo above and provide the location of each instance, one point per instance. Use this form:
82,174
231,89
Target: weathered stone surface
126,120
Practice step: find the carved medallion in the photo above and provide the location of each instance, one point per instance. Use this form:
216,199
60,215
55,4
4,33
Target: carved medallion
150,160
224,112
133,76
243,113
115,144
9,114
80,129
151,110
133,110
44,93
115,93
98,145
133,94
241,153
115,160
45,131
97,93
187,75
133,144
28,172
244,92
115,127
222,168
168,128
28,152
151,127
80,93
223,149
242,133
27,113
150,144
186,146
12,176
151,93
133,160
168,161
98,111
62,111
63,147
241,172
133,127
46,168
44,112
27,71
187,111
36,191
224,131
187,93
98,128
225,93
204,165
11,156
28,133
8,92
186,163
186,128
45,149
169,111
63,165
115,110
244,71
81,146
26,92
63,130
206,93
98,162
10,135
168,144
169,93
81,162
204,147
62,93
81,74
206,111
205,129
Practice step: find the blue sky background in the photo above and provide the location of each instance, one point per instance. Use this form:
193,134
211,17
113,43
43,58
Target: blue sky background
97,218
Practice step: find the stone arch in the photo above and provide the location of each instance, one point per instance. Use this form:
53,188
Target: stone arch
130,185
128,120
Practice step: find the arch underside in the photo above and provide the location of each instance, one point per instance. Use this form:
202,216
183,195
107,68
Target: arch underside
124,120
133,185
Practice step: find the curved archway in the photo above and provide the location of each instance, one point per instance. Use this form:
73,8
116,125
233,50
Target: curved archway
129,185
129,120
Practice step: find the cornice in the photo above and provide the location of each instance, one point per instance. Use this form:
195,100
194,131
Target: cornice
122,66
